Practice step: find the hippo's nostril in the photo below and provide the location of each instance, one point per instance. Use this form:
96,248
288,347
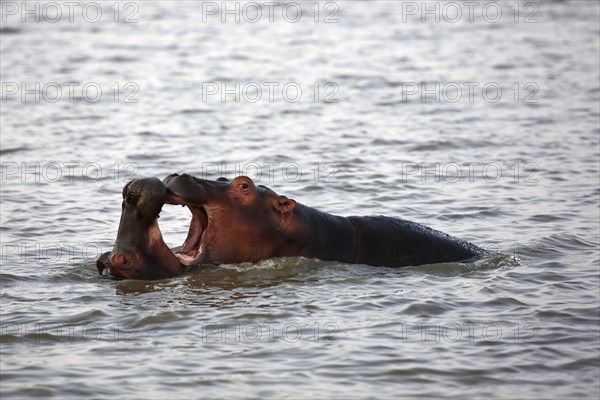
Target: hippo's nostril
120,261
125,263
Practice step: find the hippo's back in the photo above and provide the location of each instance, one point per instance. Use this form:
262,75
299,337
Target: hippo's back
393,242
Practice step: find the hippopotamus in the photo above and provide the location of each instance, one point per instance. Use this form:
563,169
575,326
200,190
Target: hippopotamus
238,221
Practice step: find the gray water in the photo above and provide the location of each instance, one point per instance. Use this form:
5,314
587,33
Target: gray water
513,168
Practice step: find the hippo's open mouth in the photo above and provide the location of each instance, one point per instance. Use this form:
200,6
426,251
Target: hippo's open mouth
185,190
193,247
140,251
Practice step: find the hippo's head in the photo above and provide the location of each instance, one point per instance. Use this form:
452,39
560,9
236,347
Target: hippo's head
232,221
139,251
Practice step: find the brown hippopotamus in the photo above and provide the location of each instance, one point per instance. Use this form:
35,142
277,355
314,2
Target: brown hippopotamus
238,221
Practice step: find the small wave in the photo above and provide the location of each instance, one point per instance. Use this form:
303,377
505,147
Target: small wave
10,150
504,66
76,274
121,59
9,279
546,218
195,111
389,142
297,112
135,287
426,309
90,117
441,144
559,244
434,145
505,302
389,103
9,30
481,213
265,272
490,262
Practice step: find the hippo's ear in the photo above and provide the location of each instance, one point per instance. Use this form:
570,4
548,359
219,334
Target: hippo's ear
283,204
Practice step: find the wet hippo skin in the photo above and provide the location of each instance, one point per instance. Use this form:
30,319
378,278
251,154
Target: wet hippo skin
238,221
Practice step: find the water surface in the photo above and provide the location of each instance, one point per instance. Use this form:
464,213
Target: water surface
518,176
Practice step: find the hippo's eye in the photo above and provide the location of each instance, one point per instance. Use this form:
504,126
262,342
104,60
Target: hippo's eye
244,186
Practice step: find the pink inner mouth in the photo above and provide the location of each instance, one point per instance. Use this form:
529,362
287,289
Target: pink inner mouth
192,246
